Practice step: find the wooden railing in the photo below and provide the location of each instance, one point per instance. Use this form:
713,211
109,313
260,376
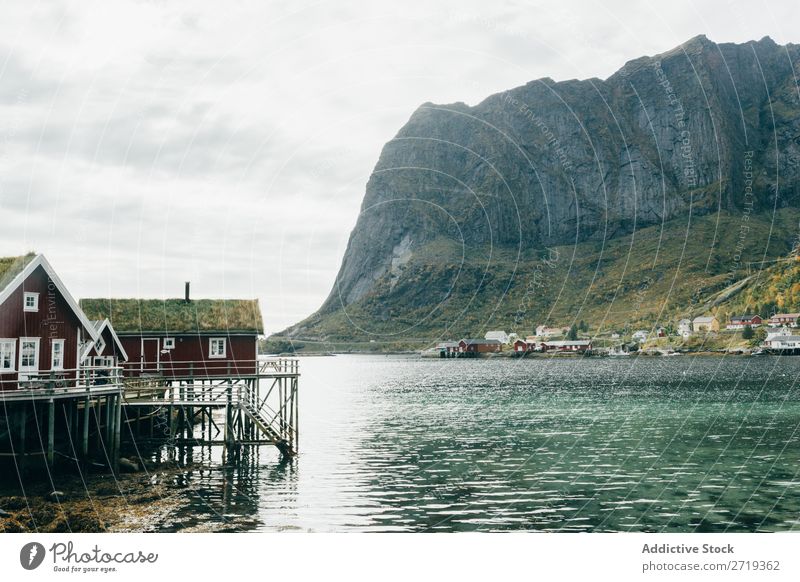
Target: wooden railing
221,368
67,382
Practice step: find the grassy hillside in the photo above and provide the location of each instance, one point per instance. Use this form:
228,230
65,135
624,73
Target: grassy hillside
715,264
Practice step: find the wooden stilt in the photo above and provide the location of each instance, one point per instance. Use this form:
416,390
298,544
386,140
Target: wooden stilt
117,432
85,436
51,432
23,424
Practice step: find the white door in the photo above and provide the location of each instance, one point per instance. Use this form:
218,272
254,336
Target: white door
28,355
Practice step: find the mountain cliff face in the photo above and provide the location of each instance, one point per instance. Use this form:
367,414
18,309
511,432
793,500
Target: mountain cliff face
702,129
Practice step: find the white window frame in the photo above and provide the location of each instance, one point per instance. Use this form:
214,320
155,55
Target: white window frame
53,344
169,343
211,353
36,341
103,361
99,345
13,353
30,295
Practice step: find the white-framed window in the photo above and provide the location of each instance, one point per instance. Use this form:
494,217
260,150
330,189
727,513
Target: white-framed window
57,354
169,343
31,301
100,345
8,352
217,347
28,354
104,361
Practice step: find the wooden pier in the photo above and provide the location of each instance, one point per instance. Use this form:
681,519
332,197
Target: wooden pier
193,406
70,414
91,414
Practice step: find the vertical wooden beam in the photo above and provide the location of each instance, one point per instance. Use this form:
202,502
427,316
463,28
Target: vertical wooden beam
67,407
51,432
86,420
228,436
23,424
117,432
108,421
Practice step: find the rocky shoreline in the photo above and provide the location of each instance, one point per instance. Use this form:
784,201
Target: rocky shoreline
97,503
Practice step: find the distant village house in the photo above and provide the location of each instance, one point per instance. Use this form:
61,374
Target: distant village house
685,328
743,321
544,331
499,335
447,349
567,346
479,346
783,319
705,324
782,343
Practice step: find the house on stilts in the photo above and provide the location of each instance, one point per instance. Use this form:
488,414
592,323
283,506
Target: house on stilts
56,404
197,357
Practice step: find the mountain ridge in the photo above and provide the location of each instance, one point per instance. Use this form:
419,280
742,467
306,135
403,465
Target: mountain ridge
686,133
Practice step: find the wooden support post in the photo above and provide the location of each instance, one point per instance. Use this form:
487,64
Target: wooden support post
67,407
86,420
23,423
106,438
229,436
51,432
117,433
281,430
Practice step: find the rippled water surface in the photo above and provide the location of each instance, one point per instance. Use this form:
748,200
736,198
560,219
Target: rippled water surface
391,443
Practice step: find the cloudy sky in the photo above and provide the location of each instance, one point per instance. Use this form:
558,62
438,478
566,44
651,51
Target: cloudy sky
143,144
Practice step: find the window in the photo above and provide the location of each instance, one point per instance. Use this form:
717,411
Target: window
28,354
31,301
103,361
57,354
169,343
216,347
8,347
100,345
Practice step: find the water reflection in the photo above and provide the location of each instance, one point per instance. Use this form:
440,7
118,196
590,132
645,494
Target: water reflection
403,444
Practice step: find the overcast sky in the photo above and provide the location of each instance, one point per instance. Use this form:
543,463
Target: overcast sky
143,144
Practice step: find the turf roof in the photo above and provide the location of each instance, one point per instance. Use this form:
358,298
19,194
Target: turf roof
10,267
177,316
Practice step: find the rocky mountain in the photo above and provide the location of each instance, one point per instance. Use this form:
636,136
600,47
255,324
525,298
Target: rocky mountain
467,206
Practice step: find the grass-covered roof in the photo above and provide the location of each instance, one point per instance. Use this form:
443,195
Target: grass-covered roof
10,267
177,316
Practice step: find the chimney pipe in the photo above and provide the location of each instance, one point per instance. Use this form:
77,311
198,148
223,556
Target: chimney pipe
188,284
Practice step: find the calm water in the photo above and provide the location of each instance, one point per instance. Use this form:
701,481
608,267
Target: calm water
406,444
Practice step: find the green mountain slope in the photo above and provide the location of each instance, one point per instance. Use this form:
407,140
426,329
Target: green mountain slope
652,277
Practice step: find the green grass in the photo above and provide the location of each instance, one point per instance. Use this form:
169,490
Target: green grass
653,277
177,316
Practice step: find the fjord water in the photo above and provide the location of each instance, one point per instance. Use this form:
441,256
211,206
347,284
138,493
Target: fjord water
395,443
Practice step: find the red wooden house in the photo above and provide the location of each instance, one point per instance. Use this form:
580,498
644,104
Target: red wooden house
42,327
522,346
479,346
107,350
184,338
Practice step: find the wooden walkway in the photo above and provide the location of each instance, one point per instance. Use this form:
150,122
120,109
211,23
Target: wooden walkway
258,408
